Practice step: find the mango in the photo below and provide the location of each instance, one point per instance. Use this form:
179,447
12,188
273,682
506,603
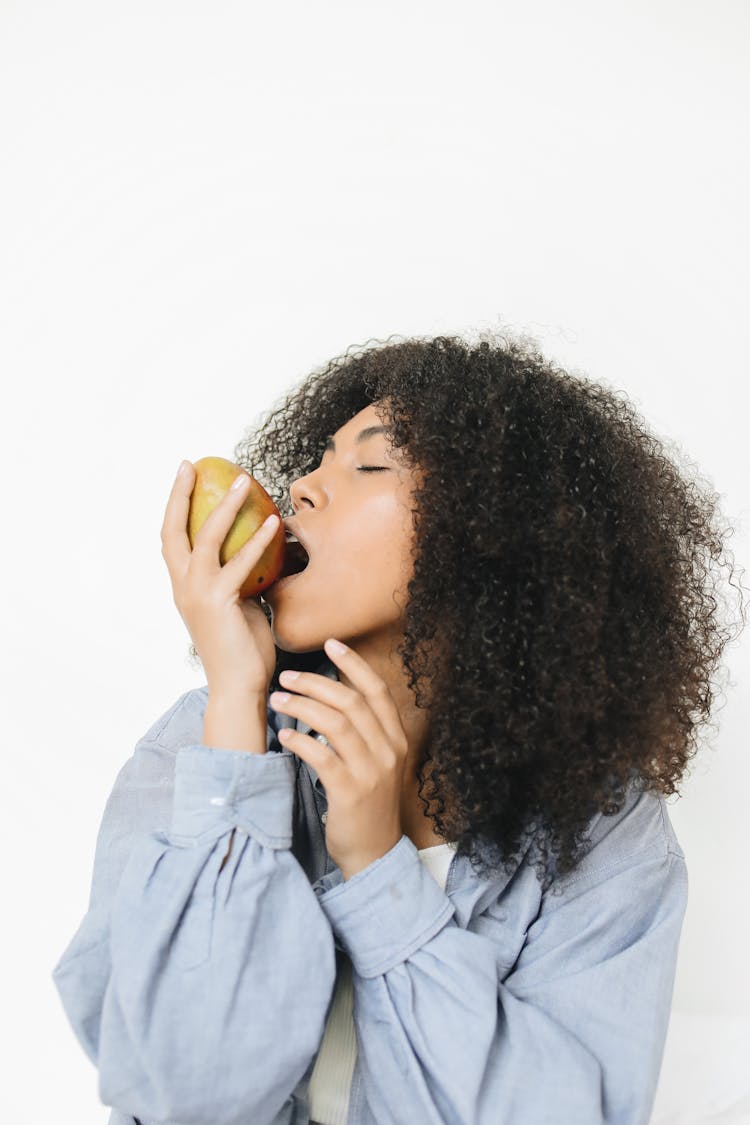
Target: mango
213,477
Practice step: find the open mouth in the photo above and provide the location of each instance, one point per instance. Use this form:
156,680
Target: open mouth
296,559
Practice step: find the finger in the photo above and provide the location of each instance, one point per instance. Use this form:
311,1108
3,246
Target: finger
323,759
344,716
235,570
375,690
175,543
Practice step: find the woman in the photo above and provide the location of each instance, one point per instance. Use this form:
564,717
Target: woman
436,881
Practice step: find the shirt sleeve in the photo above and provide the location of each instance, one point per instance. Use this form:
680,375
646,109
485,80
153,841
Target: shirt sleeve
199,979
572,1031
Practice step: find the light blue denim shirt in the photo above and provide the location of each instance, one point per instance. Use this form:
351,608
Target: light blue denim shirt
200,978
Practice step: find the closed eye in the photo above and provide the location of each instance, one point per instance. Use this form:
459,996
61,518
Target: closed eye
372,468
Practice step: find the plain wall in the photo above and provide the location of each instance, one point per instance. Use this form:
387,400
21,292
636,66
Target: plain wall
202,203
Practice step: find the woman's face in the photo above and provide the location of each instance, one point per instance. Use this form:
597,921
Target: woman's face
357,528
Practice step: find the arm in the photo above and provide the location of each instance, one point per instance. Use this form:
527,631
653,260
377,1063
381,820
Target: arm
571,1029
188,982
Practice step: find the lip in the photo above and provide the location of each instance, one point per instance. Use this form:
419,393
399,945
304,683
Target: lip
290,525
281,583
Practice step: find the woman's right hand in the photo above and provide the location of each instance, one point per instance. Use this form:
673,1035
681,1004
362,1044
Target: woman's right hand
231,634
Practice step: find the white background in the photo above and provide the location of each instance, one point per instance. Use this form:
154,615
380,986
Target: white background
199,203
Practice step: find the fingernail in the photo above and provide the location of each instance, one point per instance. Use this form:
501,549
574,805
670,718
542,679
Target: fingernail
240,482
336,647
182,469
269,521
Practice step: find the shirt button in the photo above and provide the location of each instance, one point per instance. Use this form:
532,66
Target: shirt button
324,817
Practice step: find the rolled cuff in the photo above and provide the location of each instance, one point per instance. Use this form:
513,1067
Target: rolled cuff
386,911
216,790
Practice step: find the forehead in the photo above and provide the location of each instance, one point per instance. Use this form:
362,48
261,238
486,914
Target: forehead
367,417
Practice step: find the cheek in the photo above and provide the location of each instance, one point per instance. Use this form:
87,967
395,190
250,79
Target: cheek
385,557
380,550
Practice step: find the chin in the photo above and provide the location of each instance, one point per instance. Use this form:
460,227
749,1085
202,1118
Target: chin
298,640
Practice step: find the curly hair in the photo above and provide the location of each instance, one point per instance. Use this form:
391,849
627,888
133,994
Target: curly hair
561,626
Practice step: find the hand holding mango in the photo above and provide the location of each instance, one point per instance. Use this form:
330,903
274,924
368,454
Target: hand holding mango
228,548
213,478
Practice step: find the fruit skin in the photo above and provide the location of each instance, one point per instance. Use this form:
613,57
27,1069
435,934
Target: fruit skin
213,477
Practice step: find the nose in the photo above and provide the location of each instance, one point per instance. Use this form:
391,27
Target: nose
306,490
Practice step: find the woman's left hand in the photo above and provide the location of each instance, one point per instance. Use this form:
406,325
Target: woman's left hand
363,768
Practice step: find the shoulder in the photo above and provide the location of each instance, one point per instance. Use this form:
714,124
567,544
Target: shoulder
181,724
640,834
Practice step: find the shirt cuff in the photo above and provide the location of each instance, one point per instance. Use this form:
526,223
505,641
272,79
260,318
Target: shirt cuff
216,790
386,911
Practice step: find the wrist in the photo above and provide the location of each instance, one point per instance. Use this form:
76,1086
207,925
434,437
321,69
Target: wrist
237,693
235,719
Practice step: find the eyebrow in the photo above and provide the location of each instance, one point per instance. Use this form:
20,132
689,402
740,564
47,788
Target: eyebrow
363,435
